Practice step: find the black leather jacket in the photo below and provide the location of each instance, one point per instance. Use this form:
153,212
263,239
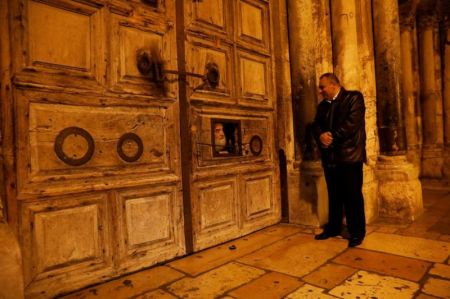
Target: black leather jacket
344,118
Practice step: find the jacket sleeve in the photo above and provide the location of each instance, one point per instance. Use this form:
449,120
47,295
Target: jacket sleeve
354,119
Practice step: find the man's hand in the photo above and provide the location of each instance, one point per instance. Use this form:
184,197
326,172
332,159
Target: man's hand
326,139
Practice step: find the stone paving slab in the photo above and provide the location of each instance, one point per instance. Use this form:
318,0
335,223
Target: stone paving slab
216,282
442,226
370,229
441,270
419,248
309,292
158,294
425,296
281,230
431,235
131,285
329,275
369,285
222,254
437,287
297,255
387,264
387,229
269,286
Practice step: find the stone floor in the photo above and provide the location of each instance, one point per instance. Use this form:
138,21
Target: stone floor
284,261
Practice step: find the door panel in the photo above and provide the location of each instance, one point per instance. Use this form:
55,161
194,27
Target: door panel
255,79
234,177
130,36
209,16
46,147
258,195
202,54
97,140
216,211
61,43
253,25
257,123
148,226
65,235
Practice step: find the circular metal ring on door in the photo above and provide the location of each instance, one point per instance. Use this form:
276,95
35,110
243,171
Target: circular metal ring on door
59,141
133,138
256,145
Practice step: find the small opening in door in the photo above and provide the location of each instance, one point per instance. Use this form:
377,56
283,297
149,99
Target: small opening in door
153,3
226,137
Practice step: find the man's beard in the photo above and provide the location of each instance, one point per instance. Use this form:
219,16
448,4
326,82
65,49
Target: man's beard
220,144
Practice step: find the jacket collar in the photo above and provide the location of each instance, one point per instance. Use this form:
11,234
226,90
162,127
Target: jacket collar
338,95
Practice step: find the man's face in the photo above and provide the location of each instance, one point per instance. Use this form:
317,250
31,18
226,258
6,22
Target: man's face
219,135
327,89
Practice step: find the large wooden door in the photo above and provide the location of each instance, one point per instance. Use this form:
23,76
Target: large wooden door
231,114
95,191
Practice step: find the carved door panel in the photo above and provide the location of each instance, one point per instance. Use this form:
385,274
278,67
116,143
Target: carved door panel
97,140
231,100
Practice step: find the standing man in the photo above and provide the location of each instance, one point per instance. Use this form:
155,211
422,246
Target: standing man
339,130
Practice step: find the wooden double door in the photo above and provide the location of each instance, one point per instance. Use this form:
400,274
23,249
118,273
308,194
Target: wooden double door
96,185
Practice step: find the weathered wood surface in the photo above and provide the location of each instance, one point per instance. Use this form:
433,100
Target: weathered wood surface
93,158
85,218
231,195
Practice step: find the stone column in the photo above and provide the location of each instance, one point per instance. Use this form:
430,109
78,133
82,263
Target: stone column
368,88
409,89
354,65
388,71
400,190
446,97
302,56
285,127
307,188
345,44
432,160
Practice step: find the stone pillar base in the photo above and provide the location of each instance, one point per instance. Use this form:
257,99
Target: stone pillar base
370,193
432,162
11,276
308,195
400,191
414,155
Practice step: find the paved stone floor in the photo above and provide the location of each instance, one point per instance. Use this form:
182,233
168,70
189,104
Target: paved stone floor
284,261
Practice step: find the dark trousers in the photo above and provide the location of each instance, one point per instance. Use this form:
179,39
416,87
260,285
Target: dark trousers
344,184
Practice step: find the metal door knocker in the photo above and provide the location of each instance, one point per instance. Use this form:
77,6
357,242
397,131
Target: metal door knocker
144,62
71,158
133,140
212,74
256,145
150,66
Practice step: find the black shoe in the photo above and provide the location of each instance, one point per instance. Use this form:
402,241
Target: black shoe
355,241
325,235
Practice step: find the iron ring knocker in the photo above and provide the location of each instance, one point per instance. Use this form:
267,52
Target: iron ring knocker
137,140
59,141
149,66
212,74
256,145
143,62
